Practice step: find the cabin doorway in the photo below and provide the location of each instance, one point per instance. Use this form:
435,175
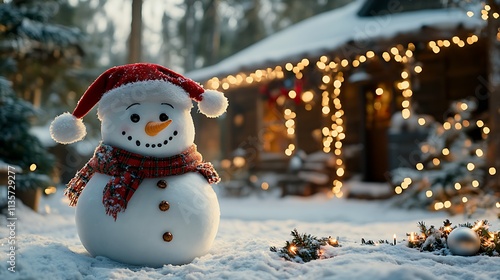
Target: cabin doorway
377,117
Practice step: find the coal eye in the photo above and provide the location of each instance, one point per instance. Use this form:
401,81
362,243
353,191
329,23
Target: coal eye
163,117
135,118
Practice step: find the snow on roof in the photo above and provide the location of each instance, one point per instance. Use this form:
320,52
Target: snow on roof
330,30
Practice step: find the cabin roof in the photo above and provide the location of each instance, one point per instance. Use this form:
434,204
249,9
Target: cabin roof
330,31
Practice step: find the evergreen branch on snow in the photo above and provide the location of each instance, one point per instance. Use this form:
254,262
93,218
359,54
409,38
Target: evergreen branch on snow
305,247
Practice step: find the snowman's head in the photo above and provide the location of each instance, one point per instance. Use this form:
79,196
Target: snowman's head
144,108
153,126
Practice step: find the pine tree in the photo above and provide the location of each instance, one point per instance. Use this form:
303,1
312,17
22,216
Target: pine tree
34,53
451,171
19,147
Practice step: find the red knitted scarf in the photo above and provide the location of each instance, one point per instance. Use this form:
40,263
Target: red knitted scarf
127,170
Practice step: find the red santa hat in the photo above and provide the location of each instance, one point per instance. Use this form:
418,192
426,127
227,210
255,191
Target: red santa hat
135,83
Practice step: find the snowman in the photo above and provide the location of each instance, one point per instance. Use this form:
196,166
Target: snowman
145,197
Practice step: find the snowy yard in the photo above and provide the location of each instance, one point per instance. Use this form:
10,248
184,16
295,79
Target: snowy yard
49,248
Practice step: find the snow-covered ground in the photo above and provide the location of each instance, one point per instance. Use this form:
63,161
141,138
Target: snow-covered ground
49,248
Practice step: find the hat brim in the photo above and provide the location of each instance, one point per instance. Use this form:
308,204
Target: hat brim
143,91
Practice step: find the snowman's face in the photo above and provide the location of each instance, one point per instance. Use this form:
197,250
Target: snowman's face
149,128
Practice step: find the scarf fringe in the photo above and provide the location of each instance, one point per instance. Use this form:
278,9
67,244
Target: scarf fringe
207,170
78,183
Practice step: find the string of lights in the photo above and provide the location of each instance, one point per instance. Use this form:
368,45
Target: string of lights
333,71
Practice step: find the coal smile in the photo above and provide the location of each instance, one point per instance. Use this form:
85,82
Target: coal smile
149,145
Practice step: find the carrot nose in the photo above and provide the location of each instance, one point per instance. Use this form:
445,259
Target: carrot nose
153,128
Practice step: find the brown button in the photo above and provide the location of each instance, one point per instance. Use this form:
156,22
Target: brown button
162,184
164,206
167,236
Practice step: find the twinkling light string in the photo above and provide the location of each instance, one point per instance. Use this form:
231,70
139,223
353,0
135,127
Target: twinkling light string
332,79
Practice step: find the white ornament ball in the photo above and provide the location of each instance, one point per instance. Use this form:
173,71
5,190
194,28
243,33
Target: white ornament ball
463,241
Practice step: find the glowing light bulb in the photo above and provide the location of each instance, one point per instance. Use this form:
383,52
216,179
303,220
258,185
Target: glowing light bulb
398,190
470,166
479,152
492,171
419,166
307,96
428,193
405,113
340,172
386,56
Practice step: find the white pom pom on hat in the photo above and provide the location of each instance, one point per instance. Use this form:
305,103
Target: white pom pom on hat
67,129
213,104
115,82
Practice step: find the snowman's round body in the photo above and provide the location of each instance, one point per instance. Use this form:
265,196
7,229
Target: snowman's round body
169,220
